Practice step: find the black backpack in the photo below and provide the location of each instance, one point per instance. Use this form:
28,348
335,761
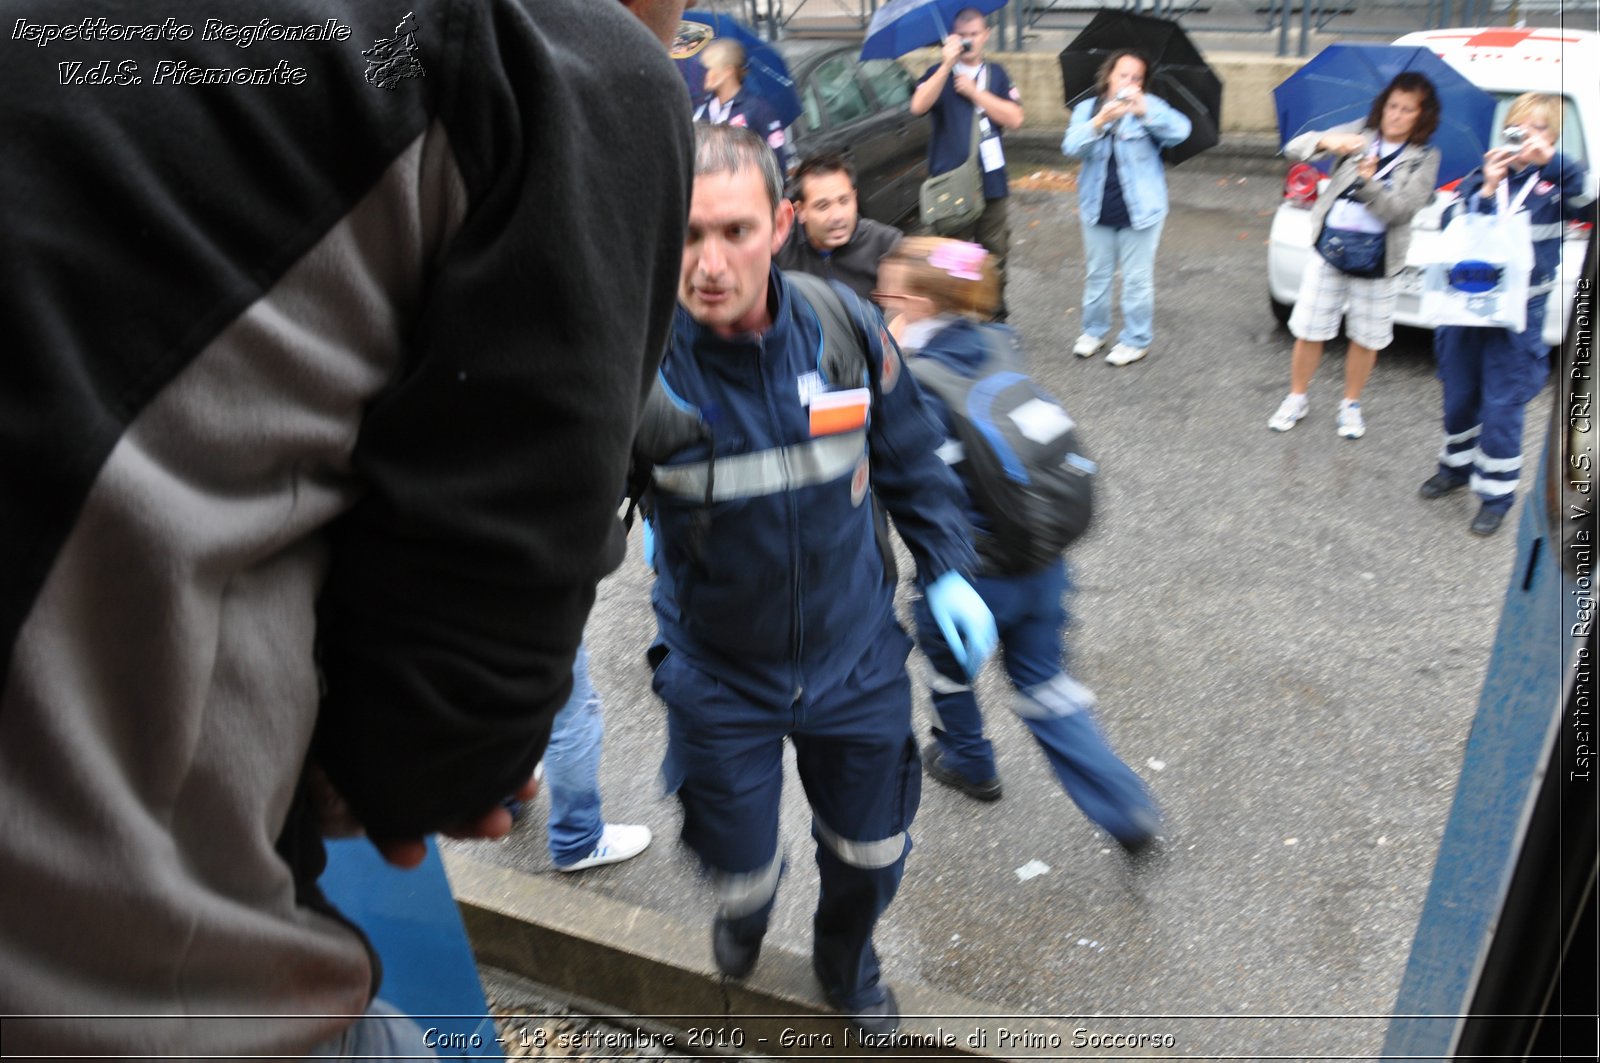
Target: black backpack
1020,457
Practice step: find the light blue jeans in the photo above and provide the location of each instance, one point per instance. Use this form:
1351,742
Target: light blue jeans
1134,251
572,770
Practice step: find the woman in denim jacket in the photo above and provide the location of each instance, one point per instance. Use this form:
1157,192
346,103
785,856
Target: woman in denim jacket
1120,131
1384,174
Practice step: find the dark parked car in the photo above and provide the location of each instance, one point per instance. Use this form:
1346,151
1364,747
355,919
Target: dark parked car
863,111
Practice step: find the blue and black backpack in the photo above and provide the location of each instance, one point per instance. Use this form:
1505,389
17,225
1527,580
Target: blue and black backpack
1019,457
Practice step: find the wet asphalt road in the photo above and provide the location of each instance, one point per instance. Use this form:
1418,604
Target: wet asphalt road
1286,642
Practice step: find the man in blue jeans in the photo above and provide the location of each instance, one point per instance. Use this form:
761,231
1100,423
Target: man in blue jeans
579,837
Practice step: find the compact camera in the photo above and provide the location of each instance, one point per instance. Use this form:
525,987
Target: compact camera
966,44
1514,134
1124,94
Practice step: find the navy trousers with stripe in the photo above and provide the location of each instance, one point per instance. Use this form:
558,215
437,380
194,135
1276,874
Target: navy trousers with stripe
857,760
1488,376
1029,613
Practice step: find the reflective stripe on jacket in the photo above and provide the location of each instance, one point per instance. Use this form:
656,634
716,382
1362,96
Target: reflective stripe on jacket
779,585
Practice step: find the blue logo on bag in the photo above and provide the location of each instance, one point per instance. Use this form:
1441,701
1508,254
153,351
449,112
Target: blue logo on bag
1475,278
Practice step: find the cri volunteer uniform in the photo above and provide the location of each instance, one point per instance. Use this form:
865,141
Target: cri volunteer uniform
751,112
1028,608
1490,374
777,616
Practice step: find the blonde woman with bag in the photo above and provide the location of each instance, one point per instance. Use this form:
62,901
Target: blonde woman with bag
1489,374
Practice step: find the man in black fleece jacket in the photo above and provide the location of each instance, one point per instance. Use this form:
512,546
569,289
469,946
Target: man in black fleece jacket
324,336
831,239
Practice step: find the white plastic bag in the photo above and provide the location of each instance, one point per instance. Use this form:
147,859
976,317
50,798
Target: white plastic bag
1478,275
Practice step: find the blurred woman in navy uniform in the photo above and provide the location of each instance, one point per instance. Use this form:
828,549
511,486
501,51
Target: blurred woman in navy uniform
1489,374
727,102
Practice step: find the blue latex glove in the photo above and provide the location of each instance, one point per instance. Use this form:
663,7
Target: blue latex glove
966,622
649,544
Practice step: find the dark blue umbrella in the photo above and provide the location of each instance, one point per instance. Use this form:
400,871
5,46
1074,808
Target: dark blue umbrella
767,75
901,26
1340,82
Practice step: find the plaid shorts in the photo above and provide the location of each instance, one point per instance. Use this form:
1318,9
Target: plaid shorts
1326,295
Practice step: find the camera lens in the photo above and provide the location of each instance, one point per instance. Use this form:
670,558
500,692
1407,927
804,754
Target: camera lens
1515,134
966,46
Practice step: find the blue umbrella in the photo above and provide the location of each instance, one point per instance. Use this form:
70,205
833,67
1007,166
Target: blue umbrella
1340,82
767,75
901,26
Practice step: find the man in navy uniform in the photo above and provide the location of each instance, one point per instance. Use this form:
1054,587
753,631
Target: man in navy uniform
775,607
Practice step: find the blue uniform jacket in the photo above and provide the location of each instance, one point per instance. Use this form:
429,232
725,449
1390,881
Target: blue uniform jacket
784,588
1557,195
752,112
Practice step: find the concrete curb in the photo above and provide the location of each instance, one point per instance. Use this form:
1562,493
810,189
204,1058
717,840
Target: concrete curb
647,965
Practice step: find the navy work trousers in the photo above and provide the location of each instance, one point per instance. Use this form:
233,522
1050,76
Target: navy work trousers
1489,374
857,759
1029,613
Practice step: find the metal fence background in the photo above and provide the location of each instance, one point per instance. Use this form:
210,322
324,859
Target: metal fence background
1285,27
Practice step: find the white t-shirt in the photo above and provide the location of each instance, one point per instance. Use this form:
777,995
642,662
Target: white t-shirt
1351,214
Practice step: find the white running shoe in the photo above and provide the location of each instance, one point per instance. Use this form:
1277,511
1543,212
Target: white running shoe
1122,354
1351,426
618,842
1292,409
1088,346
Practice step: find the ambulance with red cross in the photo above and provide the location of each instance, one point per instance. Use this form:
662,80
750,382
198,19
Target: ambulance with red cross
1505,62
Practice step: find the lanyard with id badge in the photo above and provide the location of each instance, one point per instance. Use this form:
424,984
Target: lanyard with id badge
991,155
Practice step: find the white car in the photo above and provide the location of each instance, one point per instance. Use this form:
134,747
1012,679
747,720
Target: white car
1505,62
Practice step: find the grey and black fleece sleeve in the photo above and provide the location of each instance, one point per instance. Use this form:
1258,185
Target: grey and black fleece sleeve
459,586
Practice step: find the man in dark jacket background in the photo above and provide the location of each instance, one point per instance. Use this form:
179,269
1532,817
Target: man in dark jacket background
832,240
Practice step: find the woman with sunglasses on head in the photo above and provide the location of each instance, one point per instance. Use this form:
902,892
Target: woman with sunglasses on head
1383,174
937,292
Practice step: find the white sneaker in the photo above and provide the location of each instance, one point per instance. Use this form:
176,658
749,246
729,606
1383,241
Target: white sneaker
618,842
1122,354
1088,346
1351,426
1292,409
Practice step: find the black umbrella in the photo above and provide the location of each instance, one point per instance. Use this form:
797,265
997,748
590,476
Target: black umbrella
1178,72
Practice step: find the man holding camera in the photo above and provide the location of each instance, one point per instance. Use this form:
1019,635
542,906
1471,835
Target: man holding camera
960,89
